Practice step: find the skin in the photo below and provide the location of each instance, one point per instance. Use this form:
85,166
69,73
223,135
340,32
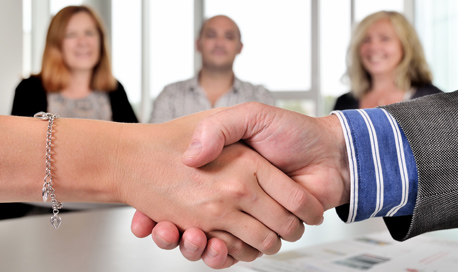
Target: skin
97,161
219,43
312,153
81,52
381,52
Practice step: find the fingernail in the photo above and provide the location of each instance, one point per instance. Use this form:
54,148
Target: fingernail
193,150
189,246
212,252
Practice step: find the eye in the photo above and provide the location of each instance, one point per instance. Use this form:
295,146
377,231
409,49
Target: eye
230,36
366,39
90,33
70,35
385,38
210,34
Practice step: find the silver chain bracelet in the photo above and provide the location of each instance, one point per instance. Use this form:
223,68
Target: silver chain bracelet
48,190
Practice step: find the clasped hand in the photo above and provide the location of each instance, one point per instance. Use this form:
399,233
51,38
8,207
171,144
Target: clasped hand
236,199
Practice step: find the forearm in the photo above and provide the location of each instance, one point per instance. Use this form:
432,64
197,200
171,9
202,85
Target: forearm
91,160
82,152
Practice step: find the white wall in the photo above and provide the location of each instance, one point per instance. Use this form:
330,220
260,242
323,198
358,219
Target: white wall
10,51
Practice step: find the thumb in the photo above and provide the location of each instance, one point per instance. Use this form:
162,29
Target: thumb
220,129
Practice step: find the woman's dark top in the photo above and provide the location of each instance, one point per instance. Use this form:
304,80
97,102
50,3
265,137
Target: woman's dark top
30,98
349,102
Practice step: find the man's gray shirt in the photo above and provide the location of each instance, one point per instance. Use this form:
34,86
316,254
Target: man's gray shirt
187,97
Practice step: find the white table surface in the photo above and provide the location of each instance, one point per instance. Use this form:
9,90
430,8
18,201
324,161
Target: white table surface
101,240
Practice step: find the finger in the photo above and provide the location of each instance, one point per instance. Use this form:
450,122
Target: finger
254,232
166,235
236,248
141,225
215,255
256,217
293,197
268,209
224,128
193,243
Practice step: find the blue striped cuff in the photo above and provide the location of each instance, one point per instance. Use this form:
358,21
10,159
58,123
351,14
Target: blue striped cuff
383,172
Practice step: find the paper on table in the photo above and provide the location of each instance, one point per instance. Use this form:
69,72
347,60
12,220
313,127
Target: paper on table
374,252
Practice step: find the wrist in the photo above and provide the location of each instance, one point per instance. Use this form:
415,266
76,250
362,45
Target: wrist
336,131
150,155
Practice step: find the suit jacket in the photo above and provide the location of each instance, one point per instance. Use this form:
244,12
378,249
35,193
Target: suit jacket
30,98
348,101
430,125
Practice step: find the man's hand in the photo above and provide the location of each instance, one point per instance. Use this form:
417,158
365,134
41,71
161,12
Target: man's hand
310,150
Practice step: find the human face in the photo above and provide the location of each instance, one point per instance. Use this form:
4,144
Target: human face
381,50
81,44
219,43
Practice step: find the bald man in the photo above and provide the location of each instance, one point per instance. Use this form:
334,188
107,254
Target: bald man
219,43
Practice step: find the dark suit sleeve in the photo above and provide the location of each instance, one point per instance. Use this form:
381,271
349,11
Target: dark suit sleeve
430,125
29,98
120,106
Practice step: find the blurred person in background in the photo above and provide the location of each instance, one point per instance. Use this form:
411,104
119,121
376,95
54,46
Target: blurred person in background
75,81
385,63
219,43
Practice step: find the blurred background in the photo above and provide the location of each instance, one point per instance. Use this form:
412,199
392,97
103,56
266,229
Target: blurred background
295,48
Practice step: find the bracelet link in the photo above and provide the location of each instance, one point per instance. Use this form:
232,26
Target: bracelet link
48,191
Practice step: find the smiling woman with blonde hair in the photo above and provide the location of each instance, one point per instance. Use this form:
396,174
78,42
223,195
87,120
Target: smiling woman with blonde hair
385,63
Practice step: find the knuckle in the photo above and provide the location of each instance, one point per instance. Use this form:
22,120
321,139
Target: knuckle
293,229
216,210
242,251
239,190
270,244
298,201
235,248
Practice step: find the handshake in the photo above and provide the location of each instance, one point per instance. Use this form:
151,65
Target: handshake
227,185
251,176
254,173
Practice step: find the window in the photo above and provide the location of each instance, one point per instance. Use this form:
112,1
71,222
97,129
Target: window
276,37
126,51
438,29
335,38
171,43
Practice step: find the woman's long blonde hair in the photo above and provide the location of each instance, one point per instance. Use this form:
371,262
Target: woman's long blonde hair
412,70
55,73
